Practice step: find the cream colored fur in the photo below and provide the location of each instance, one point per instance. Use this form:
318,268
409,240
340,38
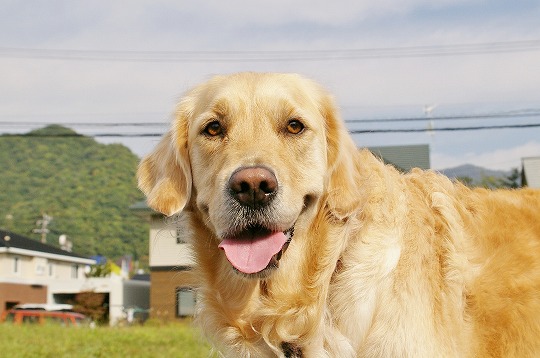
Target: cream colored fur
382,264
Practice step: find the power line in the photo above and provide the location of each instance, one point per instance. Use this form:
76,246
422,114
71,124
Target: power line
443,129
272,56
500,115
352,131
492,115
522,113
84,124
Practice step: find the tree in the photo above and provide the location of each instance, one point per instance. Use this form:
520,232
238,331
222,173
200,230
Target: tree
93,305
490,182
512,180
467,181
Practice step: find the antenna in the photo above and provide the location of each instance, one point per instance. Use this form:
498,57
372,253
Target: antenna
43,222
428,111
65,244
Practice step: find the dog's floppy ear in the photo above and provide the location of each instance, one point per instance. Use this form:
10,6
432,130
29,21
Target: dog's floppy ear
343,196
164,176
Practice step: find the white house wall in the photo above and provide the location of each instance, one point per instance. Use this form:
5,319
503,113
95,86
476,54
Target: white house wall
35,270
164,247
531,166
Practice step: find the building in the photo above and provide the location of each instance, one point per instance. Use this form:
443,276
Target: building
170,260
530,173
122,295
172,281
404,157
33,272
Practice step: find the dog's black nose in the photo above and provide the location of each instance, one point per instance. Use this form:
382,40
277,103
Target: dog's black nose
253,186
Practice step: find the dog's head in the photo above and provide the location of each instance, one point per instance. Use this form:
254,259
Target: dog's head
254,155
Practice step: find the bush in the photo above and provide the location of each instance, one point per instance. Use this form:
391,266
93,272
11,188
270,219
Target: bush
92,304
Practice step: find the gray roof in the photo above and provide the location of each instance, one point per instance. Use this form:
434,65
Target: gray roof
404,157
22,242
531,172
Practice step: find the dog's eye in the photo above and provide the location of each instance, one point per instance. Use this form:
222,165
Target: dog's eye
213,129
295,126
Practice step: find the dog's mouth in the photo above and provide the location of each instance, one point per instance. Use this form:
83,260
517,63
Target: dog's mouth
256,249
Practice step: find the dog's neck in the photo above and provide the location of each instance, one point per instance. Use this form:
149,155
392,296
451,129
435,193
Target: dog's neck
286,308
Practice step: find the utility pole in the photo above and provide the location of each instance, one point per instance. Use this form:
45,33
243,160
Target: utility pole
9,222
428,111
42,227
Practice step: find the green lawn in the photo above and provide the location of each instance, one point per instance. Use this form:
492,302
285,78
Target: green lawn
164,340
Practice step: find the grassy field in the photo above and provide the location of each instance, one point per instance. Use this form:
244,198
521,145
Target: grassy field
163,340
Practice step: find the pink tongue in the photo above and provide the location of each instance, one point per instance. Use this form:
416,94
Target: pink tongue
252,254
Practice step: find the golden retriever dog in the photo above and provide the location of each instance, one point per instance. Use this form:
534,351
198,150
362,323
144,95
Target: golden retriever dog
306,246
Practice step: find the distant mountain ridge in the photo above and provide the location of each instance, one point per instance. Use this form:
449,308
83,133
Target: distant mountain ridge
85,186
474,172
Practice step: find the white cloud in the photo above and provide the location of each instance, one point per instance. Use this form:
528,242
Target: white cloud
501,159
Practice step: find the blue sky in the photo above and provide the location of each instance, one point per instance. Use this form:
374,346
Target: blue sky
106,84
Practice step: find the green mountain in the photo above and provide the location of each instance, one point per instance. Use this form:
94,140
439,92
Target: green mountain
86,187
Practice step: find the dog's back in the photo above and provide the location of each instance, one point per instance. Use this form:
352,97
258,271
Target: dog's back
503,300
499,249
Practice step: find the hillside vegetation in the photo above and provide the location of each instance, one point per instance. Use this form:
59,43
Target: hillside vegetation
85,186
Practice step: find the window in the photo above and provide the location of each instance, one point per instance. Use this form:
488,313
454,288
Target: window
50,267
40,270
185,301
41,266
16,265
10,304
180,235
74,271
